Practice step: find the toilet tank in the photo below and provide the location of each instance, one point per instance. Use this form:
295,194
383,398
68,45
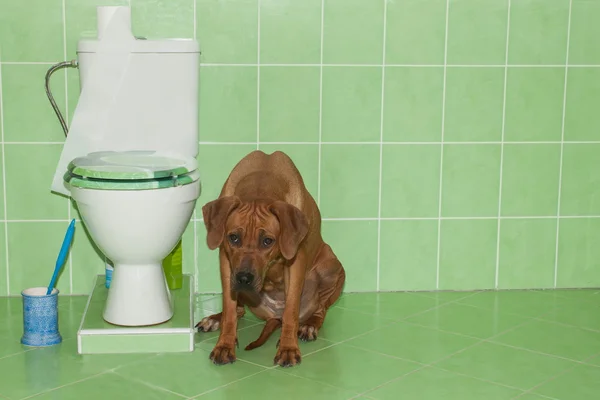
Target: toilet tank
158,98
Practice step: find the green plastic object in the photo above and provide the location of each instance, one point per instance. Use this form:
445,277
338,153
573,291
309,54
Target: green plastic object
173,267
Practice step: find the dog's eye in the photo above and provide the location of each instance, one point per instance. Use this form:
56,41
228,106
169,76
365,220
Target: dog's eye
234,239
266,242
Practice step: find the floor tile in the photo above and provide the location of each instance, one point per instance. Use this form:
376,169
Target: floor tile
343,324
191,373
348,367
532,396
505,365
273,384
413,343
550,338
40,370
446,296
435,384
10,346
467,320
107,386
580,383
394,306
584,315
525,303
263,355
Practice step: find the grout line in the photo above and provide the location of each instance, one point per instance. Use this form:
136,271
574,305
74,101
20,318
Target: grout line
64,17
382,104
354,65
342,219
2,149
431,364
558,375
402,65
562,146
391,143
439,225
147,384
194,20
258,76
68,384
231,383
501,180
320,106
196,267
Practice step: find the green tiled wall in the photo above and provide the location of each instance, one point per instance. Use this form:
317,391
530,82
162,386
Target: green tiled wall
451,144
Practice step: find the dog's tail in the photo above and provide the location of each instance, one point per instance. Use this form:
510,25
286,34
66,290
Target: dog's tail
270,326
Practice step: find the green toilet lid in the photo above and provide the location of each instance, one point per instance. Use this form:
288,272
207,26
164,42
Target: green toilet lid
130,184
131,165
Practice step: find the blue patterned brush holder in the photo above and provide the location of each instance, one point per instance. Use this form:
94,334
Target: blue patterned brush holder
40,317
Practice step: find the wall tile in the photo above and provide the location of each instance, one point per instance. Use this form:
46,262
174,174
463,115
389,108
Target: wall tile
228,30
349,189
31,31
474,99
410,181
530,179
28,115
228,104
355,245
353,32
29,173
411,21
579,253
468,254
413,104
527,248
585,30
582,121
534,104
163,19
215,163
2,216
477,32
408,255
289,104
580,194
290,39
538,32
34,268
208,275
351,104
290,32
471,180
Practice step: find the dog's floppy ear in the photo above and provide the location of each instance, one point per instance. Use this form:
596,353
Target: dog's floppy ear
293,227
215,214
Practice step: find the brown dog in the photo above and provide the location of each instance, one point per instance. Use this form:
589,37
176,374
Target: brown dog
272,257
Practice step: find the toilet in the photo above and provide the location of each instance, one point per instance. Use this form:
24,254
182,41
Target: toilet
135,179
135,206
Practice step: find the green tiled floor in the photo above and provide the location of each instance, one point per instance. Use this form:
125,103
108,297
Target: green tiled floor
523,345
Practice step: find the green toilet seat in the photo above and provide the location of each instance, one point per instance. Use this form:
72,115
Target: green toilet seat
131,170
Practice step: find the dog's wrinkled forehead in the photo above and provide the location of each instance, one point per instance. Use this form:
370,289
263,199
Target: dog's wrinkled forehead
253,217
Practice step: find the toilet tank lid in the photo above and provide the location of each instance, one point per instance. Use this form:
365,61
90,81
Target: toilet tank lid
148,46
132,165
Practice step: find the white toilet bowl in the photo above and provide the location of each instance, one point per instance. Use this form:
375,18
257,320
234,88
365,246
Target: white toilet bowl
136,206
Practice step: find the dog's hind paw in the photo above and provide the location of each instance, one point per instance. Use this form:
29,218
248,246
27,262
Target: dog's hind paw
307,333
208,324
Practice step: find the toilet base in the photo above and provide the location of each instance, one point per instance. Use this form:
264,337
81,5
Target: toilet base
96,336
138,296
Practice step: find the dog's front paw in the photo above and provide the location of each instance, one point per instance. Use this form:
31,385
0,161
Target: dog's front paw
287,356
223,354
209,324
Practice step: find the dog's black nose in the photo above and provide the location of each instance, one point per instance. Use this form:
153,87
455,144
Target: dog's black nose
244,278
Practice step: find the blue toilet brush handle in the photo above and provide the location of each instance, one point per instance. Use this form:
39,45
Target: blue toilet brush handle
62,255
